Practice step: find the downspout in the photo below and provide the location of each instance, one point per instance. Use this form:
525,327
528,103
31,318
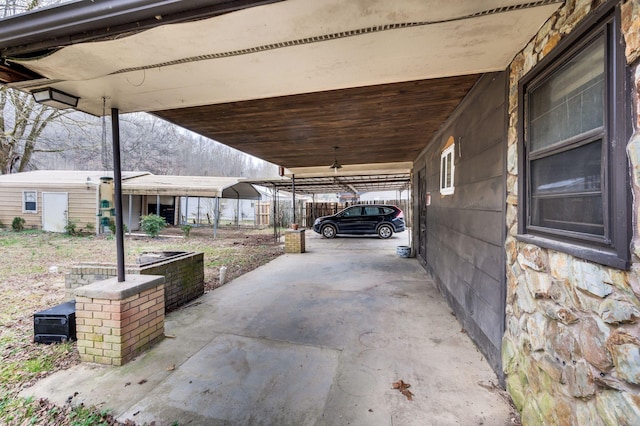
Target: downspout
117,180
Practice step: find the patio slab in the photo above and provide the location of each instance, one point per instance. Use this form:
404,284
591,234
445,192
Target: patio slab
315,338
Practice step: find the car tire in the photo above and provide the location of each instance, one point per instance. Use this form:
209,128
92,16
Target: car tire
385,231
328,231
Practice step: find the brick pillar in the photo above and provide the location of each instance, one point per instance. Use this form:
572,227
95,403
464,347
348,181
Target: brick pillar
294,241
117,321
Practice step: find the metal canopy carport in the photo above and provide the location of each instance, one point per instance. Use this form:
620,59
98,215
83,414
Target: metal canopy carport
352,178
192,186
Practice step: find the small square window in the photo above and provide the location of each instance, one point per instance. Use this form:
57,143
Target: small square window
29,202
447,170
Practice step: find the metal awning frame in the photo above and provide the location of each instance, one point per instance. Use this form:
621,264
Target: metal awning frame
339,184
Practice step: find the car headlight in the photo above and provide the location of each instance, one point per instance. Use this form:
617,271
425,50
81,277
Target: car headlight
317,221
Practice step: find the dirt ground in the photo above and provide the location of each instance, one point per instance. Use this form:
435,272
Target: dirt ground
32,274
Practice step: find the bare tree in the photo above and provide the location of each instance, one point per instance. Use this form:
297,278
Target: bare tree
22,120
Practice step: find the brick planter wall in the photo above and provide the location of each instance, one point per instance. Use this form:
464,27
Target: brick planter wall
117,321
184,277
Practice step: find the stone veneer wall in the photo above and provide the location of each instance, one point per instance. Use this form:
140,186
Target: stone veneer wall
571,349
184,277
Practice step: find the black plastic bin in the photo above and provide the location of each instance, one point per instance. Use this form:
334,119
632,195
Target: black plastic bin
55,325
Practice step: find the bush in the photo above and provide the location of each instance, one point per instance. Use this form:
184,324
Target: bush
17,224
70,228
90,227
112,227
152,225
186,229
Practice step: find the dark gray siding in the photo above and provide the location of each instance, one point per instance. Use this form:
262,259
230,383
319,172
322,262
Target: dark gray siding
466,230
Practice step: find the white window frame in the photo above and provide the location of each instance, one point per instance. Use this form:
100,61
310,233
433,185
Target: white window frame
447,168
24,201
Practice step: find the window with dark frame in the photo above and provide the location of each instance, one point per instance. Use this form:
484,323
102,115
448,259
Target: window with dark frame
575,188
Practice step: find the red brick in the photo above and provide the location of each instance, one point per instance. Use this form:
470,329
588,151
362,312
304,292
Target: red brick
141,314
102,331
113,339
102,345
111,323
147,292
102,315
150,304
130,327
111,308
104,360
93,307
139,301
94,351
87,358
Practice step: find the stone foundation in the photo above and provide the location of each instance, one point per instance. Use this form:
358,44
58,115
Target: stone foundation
184,277
294,241
117,321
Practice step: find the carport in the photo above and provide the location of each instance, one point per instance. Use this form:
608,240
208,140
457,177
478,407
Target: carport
355,179
286,81
153,187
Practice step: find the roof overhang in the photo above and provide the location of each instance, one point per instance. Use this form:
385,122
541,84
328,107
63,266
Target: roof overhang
285,81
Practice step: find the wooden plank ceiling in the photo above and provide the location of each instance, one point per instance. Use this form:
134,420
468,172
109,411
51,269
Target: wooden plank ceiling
375,124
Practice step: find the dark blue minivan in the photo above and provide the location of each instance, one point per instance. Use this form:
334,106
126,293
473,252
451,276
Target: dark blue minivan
362,219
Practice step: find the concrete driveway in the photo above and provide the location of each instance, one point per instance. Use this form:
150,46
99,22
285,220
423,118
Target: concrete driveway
309,339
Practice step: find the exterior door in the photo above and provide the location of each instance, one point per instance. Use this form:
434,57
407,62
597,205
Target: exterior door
55,206
422,214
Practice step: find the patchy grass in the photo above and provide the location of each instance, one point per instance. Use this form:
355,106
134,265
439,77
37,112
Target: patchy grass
32,269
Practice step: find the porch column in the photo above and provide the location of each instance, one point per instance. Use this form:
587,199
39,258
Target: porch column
186,211
215,217
130,211
117,180
275,214
293,190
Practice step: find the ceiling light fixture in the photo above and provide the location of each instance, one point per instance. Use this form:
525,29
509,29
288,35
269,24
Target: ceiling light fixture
55,98
335,166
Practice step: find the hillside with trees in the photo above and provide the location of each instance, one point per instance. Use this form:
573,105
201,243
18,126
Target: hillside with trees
34,136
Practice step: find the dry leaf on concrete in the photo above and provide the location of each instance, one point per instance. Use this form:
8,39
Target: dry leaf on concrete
403,388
